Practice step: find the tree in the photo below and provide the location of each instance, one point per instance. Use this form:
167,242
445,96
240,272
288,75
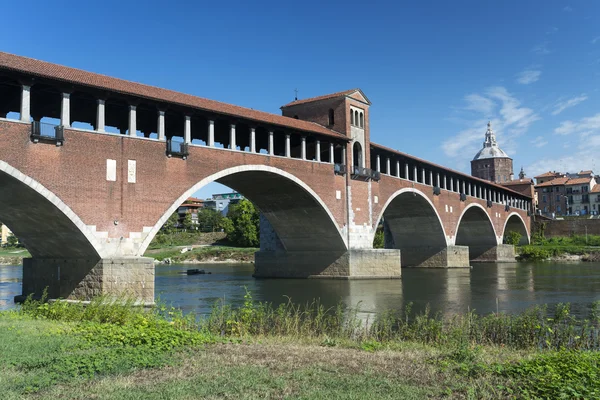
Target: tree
379,240
172,223
513,238
188,223
209,219
12,241
242,224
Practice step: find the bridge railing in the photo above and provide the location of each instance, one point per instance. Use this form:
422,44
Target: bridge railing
47,133
340,169
177,149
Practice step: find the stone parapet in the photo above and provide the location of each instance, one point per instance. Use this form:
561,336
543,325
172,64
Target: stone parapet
80,279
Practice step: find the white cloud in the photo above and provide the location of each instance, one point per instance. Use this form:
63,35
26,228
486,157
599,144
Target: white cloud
566,128
563,105
509,120
541,49
539,141
478,103
528,76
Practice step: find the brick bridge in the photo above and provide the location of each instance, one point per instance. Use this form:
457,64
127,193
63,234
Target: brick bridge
92,166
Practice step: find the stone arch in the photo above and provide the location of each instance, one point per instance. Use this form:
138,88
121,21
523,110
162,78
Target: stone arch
413,225
514,222
46,226
476,230
298,215
357,155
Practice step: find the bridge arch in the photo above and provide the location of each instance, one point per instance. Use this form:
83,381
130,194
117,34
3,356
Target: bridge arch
413,225
476,230
44,224
514,222
300,217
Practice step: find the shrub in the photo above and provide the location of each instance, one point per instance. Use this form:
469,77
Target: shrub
513,238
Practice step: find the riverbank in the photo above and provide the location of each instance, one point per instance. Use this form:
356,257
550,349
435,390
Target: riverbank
202,254
13,256
114,351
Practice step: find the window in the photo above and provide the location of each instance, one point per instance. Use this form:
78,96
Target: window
351,117
557,197
361,121
331,117
356,118
558,208
544,198
357,155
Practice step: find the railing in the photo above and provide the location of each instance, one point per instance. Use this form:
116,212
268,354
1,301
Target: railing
340,169
365,174
177,149
47,133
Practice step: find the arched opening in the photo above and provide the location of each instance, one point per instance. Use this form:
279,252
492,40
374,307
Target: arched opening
331,117
515,223
475,230
361,120
356,118
351,117
300,219
415,228
357,155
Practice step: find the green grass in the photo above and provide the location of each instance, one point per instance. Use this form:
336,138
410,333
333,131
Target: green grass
208,253
113,350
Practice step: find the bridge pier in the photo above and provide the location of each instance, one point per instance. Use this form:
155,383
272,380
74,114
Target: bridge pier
351,264
83,279
496,254
435,257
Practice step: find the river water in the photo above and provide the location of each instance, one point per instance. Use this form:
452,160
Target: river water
485,288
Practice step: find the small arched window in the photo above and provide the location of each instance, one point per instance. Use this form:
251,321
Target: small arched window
351,117
356,118
357,155
331,117
361,120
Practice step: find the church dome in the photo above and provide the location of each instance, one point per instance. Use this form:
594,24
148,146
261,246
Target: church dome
490,147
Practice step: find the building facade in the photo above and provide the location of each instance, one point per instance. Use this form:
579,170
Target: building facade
491,162
4,234
567,194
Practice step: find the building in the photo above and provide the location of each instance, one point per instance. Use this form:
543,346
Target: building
567,194
190,206
522,185
491,162
4,234
222,201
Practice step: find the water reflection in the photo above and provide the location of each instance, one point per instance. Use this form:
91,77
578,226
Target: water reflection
484,288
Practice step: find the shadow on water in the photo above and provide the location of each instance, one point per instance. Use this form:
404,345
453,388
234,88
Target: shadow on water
484,288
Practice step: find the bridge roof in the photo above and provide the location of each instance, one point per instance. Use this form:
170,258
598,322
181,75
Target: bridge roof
384,148
33,67
326,97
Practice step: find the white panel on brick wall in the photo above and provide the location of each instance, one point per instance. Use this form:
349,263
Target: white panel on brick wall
131,171
111,170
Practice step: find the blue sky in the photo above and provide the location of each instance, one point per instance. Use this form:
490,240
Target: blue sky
435,71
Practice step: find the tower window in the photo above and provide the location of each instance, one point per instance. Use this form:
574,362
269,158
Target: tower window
351,117
331,117
361,120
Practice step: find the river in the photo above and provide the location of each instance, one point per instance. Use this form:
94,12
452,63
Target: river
485,288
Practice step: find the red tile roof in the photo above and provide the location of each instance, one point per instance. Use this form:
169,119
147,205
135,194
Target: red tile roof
319,98
585,172
595,189
548,174
378,146
578,181
48,70
554,182
526,181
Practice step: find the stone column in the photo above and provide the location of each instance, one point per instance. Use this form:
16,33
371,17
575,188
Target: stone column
65,110
211,133
252,140
430,178
423,176
288,149
303,148
415,174
406,176
26,103
388,167
344,155
318,151
100,116
271,143
232,144
331,153
132,121
437,179
464,187
452,184
398,169
378,163
445,183
187,135
161,126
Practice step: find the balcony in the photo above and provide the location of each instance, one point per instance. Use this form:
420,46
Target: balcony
177,149
365,174
340,169
47,133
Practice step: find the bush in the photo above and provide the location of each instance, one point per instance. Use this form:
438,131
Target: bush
379,240
513,238
242,224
